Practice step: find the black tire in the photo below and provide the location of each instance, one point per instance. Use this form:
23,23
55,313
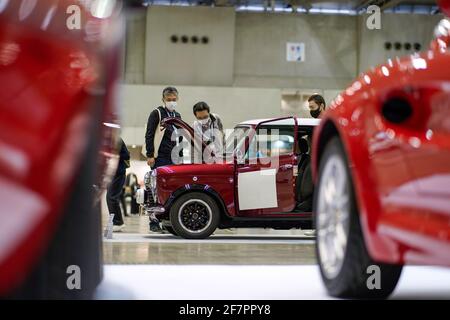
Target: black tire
77,241
202,200
352,278
170,230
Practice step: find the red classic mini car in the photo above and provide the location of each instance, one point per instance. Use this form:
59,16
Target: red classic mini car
381,163
263,180
57,137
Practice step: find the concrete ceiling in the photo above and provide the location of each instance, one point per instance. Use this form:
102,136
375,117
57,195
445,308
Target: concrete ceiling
415,6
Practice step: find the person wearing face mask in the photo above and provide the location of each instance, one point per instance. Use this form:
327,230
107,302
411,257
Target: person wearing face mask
316,105
159,143
164,145
208,126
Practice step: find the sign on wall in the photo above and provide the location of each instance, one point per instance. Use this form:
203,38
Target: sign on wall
295,52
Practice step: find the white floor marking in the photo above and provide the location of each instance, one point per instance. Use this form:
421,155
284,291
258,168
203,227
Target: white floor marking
249,282
219,238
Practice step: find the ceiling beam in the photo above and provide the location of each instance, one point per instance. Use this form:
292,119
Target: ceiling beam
295,4
384,4
391,4
363,4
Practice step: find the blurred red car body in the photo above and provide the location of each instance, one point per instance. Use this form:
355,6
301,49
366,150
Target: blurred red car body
393,128
57,111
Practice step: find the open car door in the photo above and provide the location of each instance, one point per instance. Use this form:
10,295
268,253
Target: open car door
266,173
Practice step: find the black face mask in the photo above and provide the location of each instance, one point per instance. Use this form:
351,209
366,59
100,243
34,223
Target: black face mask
315,113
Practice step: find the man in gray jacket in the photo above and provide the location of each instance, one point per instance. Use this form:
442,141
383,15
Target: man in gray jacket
208,127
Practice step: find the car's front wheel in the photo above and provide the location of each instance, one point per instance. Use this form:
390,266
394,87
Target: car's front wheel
194,215
345,265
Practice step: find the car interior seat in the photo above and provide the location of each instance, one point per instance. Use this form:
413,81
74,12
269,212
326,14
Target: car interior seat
304,184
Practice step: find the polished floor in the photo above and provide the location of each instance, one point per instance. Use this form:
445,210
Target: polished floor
136,245
231,264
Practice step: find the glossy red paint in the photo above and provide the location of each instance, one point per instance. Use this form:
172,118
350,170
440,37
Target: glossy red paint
285,183
400,170
55,86
221,178
285,179
445,6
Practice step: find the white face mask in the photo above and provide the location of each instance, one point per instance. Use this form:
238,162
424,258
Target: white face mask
171,105
204,122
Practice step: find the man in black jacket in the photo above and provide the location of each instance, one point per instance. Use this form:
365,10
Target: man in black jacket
317,105
115,189
162,156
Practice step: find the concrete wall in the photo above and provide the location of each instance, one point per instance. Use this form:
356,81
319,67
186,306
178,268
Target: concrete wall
260,50
135,42
190,64
243,72
394,27
234,105
249,49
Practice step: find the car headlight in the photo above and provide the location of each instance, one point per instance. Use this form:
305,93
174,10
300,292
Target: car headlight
140,196
153,180
150,183
147,179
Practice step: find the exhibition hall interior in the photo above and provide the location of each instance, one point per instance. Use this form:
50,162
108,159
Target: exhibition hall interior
224,149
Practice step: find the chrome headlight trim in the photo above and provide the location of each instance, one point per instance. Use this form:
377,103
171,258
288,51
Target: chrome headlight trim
153,177
147,179
153,185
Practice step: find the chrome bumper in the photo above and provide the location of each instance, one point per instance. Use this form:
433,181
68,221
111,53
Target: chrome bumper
156,210
152,212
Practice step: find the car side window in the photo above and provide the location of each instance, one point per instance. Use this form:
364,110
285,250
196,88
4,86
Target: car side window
271,142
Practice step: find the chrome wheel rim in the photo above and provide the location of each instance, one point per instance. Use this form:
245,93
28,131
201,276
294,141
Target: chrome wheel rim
333,214
195,216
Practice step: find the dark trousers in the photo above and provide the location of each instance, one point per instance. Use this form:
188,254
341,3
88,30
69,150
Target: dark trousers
162,160
113,194
123,202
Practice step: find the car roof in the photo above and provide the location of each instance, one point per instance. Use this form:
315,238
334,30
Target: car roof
284,122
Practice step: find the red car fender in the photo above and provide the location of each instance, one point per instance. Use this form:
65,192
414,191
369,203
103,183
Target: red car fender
218,177
351,117
54,87
339,122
